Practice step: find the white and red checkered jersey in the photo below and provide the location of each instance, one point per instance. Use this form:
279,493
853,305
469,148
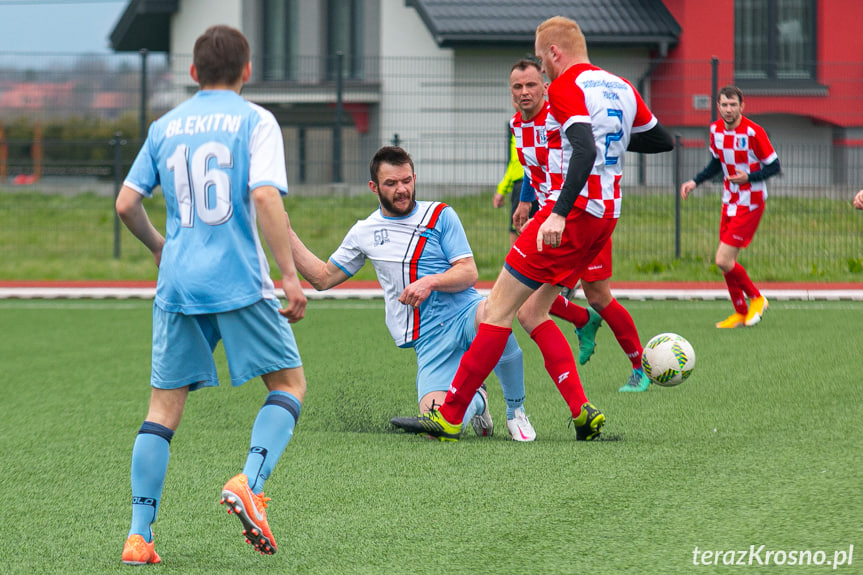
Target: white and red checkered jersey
615,110
743,149
539,152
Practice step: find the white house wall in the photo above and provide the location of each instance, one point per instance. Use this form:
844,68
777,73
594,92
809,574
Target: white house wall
455,121
189,22
449,107
192,18
412,62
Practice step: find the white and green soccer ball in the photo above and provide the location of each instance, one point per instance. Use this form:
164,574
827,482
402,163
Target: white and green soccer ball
668,359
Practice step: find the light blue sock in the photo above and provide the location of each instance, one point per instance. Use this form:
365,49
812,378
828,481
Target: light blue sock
149,465
273,429
510,372
477,406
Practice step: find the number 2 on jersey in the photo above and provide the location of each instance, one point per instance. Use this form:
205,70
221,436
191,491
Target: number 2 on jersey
613,137
200,188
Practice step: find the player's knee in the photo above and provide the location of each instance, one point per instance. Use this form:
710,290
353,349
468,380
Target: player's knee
597,293
522,316
599,300
529,319
291,381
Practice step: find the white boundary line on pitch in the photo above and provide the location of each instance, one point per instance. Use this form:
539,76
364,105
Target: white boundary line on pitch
377,304
627,294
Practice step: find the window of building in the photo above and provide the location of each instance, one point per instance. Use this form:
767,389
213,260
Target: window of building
280,39
345,36
774,40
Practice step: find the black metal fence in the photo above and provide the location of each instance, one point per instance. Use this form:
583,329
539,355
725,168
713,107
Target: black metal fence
72,126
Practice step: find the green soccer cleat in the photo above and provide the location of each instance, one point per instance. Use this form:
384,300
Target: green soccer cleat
587,336
638,381
431,423
588,423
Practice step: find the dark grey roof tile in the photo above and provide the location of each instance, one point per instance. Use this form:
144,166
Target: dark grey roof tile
454,22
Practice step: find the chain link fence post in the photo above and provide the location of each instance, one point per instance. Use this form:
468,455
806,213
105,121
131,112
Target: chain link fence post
677,184
117,143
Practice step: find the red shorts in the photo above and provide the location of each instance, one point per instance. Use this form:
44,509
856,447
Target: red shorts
739,230
600,268
584,237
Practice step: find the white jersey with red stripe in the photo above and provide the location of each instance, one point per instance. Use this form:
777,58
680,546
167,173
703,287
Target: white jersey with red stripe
539,152
427,241
615,110
744,149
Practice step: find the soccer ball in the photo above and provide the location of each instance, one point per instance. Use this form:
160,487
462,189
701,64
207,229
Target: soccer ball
668,359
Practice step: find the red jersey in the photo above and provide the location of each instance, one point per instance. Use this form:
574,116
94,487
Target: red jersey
743,149
540,153
615,110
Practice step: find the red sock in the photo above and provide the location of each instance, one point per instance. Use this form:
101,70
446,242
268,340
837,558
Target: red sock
476,363
744,282
560,364
565,309
736,292
623,328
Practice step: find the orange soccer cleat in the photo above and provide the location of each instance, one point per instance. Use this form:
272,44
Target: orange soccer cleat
136,551
251,509
732,321
757,307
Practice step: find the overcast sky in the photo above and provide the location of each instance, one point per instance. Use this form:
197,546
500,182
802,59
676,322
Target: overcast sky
58,26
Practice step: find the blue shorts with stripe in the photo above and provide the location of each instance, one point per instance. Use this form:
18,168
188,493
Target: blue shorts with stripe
440,350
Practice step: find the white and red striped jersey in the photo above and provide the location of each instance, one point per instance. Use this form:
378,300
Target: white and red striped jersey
743,149
539,152
615,110
427,241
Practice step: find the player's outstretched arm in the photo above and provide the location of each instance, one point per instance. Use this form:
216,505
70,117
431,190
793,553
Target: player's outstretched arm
858,200
712,169
271,214
130,208
322,275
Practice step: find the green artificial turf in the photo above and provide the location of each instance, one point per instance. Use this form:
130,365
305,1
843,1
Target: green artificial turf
759,447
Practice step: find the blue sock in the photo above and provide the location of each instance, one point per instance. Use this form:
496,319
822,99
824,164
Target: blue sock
273,429
510,372
476,406
149,464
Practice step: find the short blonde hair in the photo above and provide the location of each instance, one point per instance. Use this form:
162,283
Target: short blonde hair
564,33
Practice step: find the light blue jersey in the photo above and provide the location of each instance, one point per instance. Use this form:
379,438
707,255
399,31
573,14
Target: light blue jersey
427,241
208,153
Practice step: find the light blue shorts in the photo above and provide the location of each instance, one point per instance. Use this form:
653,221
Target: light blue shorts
257,341
439,351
